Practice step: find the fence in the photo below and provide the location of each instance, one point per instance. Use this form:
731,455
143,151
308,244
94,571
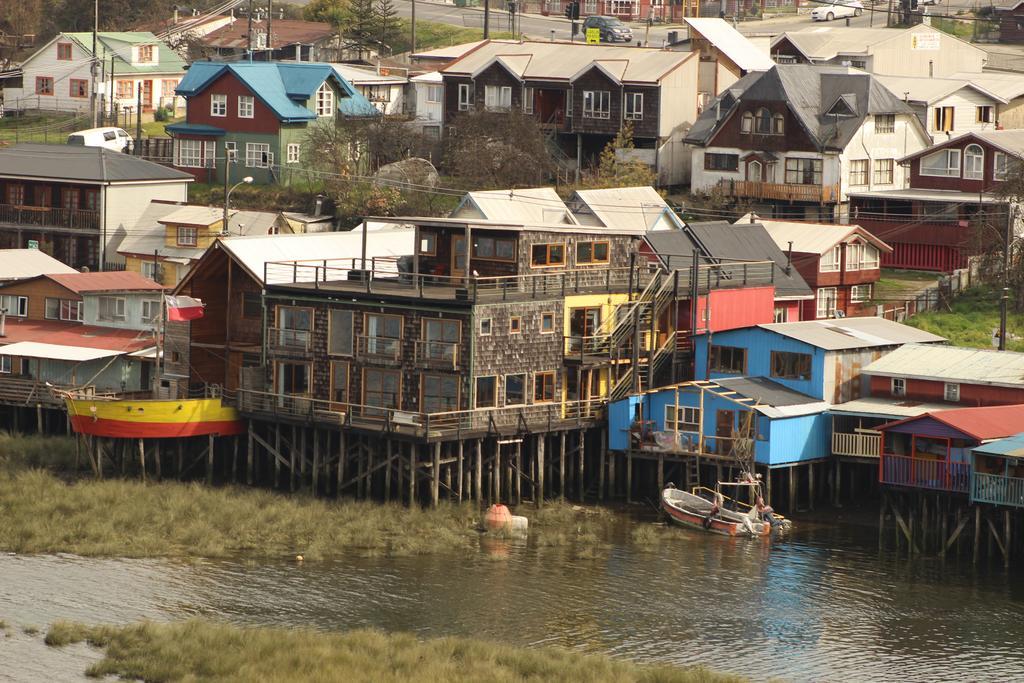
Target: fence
934,297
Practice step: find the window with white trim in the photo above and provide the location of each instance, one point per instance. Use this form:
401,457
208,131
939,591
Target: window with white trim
14,305
465,99
683,419
63,309
831,260
528,95
186,236
634,106
779,315
942,164
869,257
826,302
884,171
860,293
802,171
597,104
231,151
859,172
434,94
190,153
293,152
246,107
974,162
497,97
5,365
885,123
951,392
999,165
257,155
325,100
218,105
150,310
112,308
853,255
151,270
898,387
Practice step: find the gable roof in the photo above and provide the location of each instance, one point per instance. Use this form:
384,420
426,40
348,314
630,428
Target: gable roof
1006,85
932,90
987,422
95,165
1010,447
118,44
284,87
22,264
773,399
952,364
1009,141
823,43
104,281
851,333
730,42
809,92
284,32
359,75
636,208
528,205
814,238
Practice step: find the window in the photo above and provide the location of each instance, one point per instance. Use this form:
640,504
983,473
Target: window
831,260
592,252
899,386
545,255
951,392
64,51
789,365
746,122
377,93
728,359
190,153
294,327
497,97
145,53
999,166
293,152
515,324
246,107
218,105
486,392
14,305
169,85
942,119
150,270
826,302
543,387
721,162
944,163
187,236
383,334
883,171
869,257
339,333
5,364
763,122
440,393
339,381
974,162
983,114
803,171
858,63
528,100
494,248
682,419
597,104
16,195
780,315
324,100
485,327
434,94
381,388
257,155
465,99
778,124
79,87
860,293
63,309
252,305
150,310
859,172
853,255
634,106
441,340
515,390
125,90
111,308
44,85
547,323
885,123
428,244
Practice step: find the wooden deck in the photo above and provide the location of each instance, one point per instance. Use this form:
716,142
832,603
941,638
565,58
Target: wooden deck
919,473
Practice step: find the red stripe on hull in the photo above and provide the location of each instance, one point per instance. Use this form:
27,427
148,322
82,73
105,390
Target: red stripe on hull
695,521
85,424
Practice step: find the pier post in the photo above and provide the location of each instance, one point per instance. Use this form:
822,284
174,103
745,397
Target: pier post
601,465
561,466
661,472
612,482
369,450
316,462
519,472
582,452
156,458
478,474
460,474
538,494
361,467
810,484
278,456
792,489
387,470
342,456
292,448
435,475
1006,539
629,476
209,462
142,458
249,455
412,474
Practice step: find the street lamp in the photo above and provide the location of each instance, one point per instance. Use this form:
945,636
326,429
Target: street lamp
227,201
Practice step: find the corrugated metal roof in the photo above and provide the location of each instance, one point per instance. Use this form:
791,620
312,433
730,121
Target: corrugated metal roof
952,364
770,393
885,407
528,205
1007,85
359,74
84,164
1010,447
149,235
562,61
455,51
822,43
116,44
20,264
284,32
814,238
75,334
851,333
987,422
928,195
931,90
196,215
31,349
105,281
635,208
733,44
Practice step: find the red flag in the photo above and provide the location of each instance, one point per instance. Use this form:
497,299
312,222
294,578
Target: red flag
183,308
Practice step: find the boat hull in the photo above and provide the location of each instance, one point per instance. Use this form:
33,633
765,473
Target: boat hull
689,510
153,419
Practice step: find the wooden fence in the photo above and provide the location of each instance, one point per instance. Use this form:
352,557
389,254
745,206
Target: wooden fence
935,297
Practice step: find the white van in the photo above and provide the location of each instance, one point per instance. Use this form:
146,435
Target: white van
116,139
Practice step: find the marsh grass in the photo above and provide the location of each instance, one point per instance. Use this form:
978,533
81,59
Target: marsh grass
23,451
203,651
974,316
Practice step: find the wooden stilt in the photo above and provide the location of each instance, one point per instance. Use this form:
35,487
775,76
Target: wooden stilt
612,482
400,471
448,475
370,451
293,448
810,485
361,467
435,479
661,473
539,493
792,489
316,462
561,466
387,471
519,472
249,455
39,419
478,474
209,462
156,459
496,471
601,465
509,486
629,476
582,454
412,475
461,471
837,494
277,449
142,458
1006,540
342,457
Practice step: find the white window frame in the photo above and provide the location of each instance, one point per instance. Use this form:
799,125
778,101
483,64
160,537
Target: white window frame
218,105
974,162
883,168
860,293
780,314
15,304
989,112
324,100
951,392
5,365
883,130
497,97
258,155
691,418
150,269
465,98
826,301
294,151
150,310
952,170
832,261
118,313
870,257
528,95
859,172
189,153
597,104
246,106
186,236
1000,165
434,94
633,106
854,250
898,386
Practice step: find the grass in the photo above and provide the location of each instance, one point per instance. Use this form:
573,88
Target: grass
156,129
432,34
42,127
198,650
964,29
898,285
975,314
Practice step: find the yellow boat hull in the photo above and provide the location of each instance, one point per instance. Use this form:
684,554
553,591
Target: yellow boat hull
153,419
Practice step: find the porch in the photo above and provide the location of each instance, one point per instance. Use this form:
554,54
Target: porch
23,216
925,473
787,192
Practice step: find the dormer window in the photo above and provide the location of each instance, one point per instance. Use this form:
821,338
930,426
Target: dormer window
747,122
763,121
974,162
778,124
145,54
324,100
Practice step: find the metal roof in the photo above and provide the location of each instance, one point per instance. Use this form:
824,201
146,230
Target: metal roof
773,399
885,407
814,238
1010,447
117,45
636,208
822,43
952,364
987,422
851,333
95,165
504,226
1009,141
455,51
528,205
21,264
927,195
931,90
31,349
283,32
1007,85
359,75
61,333
105,281
149,235
730,42
557,61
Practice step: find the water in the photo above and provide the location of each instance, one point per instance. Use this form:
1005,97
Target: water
824,604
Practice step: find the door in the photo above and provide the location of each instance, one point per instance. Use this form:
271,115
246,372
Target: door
583,323
458,255
755,171
147,95
724,421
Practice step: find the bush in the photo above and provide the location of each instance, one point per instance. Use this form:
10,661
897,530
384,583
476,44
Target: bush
163,114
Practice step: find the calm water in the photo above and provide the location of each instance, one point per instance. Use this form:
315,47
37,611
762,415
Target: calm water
823,604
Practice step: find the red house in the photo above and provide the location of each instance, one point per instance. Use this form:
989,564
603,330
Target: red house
930,226
841,263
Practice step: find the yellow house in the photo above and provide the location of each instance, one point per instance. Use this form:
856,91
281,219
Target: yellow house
587,319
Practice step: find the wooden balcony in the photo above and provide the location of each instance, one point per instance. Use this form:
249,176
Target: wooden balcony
921,473
783,192
290,342
437,354
49,217
375,349
862,444
997,489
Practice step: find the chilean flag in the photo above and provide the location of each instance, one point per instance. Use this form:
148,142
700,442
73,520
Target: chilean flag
184,308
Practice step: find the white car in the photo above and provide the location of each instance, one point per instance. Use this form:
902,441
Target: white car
836,9
116,139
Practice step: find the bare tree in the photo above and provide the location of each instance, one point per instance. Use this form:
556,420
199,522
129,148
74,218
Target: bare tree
491,149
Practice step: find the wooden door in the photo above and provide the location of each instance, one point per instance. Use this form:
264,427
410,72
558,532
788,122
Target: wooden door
458,255
147,95
724,421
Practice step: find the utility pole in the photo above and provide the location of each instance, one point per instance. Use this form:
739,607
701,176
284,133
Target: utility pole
270,17
1005,295
94,68
487,19
249,33
412,22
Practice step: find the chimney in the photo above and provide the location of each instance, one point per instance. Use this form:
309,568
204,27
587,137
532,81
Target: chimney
3,322
319,206
789,258
753,216
175,14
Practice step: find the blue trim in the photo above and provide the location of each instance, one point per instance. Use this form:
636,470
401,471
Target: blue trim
195,129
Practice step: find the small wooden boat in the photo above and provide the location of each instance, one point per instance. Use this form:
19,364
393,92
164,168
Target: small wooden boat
690,510
152,418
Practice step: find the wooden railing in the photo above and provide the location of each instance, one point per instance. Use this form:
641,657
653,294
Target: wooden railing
50,217
859,445
289,340
791,192
378,348
997,489
438,354
921,473
18,391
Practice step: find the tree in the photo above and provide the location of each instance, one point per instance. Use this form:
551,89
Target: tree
495,149
989,235
388,27
617,168
360,23
331,12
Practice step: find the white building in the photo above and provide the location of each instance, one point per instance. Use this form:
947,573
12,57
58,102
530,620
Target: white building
383,89
428,89
947,106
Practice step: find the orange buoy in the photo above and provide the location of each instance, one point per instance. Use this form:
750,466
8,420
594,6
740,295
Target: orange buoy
497,517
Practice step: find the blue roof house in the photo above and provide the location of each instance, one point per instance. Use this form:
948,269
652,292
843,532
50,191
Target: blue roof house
259,114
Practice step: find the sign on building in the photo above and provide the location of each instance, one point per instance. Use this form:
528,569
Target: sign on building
924,41
593,36
33,244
